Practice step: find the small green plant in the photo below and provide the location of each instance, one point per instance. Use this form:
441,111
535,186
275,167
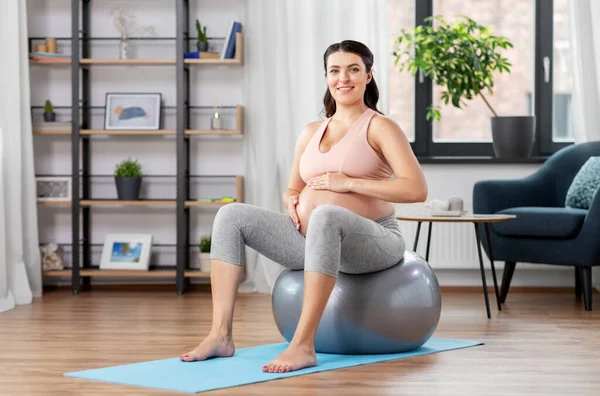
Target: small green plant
128,168
48,108
201,32
460,58
205,244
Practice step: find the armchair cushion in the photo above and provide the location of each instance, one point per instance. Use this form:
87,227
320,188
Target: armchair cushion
542,222
584,185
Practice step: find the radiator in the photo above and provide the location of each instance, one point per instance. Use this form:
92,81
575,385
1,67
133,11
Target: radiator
453,245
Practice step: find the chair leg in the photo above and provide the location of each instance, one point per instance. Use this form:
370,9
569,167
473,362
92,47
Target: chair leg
578,282
586,281
509,270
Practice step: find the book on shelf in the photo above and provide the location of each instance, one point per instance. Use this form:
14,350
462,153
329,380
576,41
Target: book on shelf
46,55
228,51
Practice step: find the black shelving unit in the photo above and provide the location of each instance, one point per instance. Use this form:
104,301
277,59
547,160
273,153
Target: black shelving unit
81,63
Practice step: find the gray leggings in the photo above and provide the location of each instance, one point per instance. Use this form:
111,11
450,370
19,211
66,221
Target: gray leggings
337,239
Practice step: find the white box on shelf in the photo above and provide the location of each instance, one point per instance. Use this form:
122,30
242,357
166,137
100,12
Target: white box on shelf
53,188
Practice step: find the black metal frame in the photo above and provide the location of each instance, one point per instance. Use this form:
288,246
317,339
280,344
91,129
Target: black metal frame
481,268
183,146
429,151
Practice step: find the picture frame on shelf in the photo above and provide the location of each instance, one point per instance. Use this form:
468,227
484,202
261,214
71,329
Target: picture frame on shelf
53,188
126,252
132,111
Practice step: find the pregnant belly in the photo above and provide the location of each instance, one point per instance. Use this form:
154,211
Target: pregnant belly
371,208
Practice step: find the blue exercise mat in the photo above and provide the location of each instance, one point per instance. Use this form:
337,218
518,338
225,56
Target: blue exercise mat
243,368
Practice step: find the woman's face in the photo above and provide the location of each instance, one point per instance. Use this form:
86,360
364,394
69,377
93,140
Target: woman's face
346,77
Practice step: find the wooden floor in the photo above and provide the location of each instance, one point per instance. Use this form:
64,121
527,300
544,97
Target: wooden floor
540,344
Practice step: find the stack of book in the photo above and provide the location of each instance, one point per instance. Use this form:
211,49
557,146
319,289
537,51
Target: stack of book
46,55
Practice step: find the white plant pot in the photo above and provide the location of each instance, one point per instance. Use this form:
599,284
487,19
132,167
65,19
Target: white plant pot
204,260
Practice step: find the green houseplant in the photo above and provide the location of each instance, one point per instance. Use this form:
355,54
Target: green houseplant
462,58
49,114
204,255
202,37
128,179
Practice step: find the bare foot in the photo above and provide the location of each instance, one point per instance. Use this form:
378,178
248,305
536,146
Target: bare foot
212,346
295,357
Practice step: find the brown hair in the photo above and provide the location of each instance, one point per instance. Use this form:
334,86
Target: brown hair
371,93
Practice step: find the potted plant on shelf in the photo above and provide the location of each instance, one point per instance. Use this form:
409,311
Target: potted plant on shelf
204,255
462,58
49,114
202,38
128,178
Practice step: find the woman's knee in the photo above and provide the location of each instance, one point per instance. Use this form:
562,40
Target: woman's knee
326,216
230,213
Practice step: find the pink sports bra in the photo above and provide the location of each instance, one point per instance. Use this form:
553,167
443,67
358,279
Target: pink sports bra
352,155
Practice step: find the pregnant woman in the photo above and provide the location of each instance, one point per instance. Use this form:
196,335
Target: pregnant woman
339,200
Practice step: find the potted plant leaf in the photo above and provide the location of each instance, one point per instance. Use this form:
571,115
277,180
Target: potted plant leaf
202,38
204,255
49,114
128,178
461,58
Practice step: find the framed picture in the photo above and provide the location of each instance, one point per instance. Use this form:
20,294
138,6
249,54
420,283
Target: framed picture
126,251
140,111
53,188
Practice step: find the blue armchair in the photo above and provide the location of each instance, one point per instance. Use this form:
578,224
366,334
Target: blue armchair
545,231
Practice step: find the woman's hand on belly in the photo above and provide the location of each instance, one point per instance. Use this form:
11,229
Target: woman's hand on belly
336,182
310,199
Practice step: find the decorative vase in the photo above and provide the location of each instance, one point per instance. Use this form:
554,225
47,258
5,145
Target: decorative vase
202,46
215,122
512,137
124,48
128,188
204,260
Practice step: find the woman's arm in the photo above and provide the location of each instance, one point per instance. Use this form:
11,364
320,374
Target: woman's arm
409,184
295,183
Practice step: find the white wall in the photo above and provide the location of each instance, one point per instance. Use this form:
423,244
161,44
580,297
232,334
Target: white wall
210,85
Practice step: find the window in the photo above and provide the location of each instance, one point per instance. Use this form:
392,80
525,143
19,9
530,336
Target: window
401,15
539,82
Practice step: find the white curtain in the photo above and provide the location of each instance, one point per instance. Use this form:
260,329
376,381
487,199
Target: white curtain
584,37
20,267
284,86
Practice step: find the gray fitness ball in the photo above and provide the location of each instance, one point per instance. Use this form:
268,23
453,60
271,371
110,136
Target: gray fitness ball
389,311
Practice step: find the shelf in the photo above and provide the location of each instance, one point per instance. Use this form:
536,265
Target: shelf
200,203
54,203
238,131
118,202
50,61
196,274
156,273
237,60
115,273
127,62
124,132
211,132
52,132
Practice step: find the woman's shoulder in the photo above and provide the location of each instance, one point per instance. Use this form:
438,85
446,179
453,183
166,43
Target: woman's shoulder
382,125
309,129
382,121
